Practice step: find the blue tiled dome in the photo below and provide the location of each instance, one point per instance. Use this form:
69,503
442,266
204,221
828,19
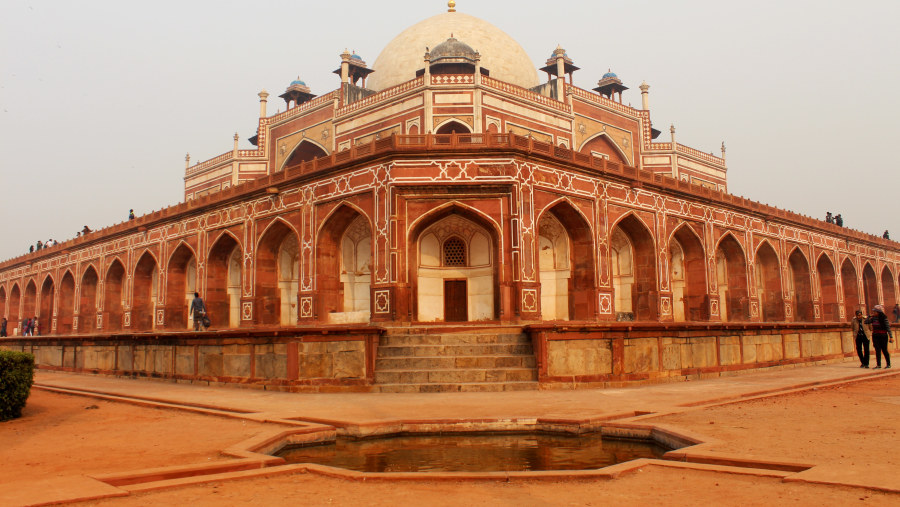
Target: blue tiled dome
609,74
355,56
297,82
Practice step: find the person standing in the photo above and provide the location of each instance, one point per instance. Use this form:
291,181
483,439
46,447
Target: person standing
897,313
881,333
35,327
198,311
3,328
861,332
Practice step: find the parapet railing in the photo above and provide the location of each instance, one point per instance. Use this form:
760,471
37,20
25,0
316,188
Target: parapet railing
456,144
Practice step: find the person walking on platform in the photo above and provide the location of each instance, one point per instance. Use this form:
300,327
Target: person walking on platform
861,332
881,333
3,328
198,311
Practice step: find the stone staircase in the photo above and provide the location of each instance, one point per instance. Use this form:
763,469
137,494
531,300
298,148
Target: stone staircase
423,360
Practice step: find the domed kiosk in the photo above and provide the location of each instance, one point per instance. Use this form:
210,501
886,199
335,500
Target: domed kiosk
501,54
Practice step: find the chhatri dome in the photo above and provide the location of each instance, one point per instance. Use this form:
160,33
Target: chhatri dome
500,54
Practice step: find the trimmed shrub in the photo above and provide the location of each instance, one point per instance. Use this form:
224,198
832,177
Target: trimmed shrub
16,376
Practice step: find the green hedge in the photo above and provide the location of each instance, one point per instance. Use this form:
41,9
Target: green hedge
16,376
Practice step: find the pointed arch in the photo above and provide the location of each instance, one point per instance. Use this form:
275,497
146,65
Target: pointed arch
828,288
452,126
732,282
801,284
768,283
224,281
181,283
278,240
850,284
65,305
113,295
29,302
343,266
305,151
48,294
570,274
15,301
642,282
690,300
429,280
603,143
889,295
3,301
145,292
87,307
870,287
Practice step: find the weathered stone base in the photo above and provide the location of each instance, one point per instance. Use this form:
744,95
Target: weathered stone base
574,356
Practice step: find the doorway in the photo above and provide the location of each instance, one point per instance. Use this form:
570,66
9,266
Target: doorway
456,301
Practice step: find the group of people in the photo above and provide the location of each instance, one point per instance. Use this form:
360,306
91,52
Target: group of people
837,220
878,327
30,327
41,245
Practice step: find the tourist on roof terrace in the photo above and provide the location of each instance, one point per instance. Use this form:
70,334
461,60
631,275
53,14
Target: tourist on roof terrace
881,334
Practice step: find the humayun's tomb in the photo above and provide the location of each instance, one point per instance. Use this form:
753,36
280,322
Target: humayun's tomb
447,219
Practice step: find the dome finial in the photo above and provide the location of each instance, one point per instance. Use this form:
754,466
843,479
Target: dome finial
452,6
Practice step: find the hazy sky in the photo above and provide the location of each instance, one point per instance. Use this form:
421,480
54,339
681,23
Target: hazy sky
100,100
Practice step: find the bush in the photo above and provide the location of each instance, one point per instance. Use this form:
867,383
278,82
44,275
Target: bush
16,376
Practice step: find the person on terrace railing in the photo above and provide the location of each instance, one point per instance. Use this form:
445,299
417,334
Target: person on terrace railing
828,218
886,234
839,220
131,214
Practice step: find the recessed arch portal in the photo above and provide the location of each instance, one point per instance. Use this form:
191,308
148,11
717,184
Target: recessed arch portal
48,293
731,280
768,284
113,296
801,284
15,301
305,151
30,308
870,287
181,283
687,267
344,267
850,283
633,259
224,277
145,293
602,145
87,305
277,275
3,302
469,291
887,291
566,261
65,306
453,127
828,289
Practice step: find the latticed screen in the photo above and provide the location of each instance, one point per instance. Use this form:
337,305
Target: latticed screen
454,252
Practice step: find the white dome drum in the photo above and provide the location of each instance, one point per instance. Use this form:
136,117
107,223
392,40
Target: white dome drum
500,53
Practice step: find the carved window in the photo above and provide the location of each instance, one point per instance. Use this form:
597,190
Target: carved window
454,252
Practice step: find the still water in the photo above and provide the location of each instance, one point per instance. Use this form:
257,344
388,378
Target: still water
474,453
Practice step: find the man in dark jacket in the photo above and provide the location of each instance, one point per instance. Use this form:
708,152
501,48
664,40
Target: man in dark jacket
881,333
861,332
198,311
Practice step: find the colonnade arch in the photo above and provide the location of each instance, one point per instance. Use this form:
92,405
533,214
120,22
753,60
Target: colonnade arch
344,266
566,263
29,303
145,292
224,280
113,300
48,291
3,305
277,275
889,296
870,287
828,289
15,300
181,283
731,280
768,284
305,151
801,287
633,259
687,275
850,283
87,307
66,305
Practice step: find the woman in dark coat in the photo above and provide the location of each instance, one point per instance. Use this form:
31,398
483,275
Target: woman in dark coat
881,333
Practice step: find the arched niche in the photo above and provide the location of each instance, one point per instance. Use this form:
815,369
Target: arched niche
731,280
48,293
601,145
870,287
453,127
65,307
344,267
828,289
887,291
15,318
850,284
3,301
633,259
454,267
567,264
145,293
687,272
801,285
768,284
224,270
276,279
87,304
305,151
181,283
113,296
30,308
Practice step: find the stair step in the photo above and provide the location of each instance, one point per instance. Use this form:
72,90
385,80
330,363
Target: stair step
441,376
453,339
464,387
454,350
436,362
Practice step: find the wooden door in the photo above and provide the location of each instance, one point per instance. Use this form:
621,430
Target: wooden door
456,303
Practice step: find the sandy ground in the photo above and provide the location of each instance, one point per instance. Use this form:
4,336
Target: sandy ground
852,424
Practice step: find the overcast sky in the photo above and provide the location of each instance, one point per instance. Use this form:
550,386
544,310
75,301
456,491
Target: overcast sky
100,100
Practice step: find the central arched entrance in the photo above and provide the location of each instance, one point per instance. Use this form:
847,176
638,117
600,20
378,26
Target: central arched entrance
454,267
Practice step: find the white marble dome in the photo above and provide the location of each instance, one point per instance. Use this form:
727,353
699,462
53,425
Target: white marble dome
500,54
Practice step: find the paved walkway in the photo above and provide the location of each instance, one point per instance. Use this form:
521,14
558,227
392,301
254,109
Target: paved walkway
366,408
